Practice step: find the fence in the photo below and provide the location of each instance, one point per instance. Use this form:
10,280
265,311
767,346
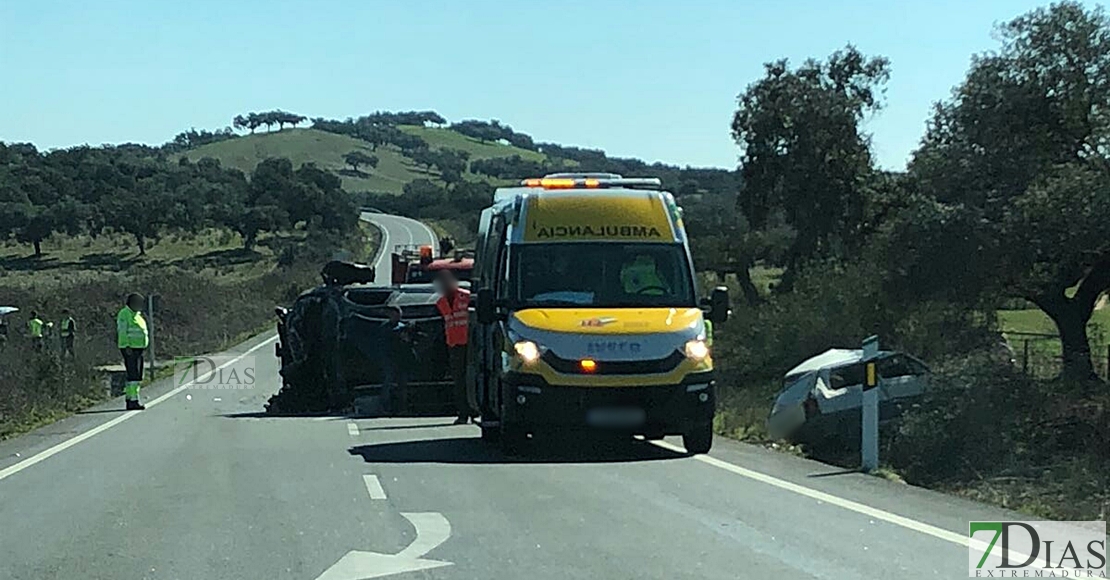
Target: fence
1041,355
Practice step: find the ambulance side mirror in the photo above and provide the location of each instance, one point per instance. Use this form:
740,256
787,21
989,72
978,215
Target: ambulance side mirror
484,307
719,308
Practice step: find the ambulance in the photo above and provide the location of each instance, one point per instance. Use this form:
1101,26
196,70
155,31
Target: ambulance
586,314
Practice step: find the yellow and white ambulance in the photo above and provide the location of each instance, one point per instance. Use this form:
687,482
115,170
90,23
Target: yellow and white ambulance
587,314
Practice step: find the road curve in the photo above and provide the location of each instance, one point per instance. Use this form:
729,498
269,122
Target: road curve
203,485
395,231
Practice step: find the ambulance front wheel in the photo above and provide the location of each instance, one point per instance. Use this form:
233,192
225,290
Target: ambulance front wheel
698,439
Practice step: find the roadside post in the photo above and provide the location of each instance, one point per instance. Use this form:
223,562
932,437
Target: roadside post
150,302
869,440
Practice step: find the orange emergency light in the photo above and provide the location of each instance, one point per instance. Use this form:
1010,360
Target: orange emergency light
591,181
587,365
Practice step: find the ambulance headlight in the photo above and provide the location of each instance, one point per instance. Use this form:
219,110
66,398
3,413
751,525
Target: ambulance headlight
697,350
527,351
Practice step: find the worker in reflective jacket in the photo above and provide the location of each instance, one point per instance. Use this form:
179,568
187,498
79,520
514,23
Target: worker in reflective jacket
453,304
640,277
133,338
68,333
35,328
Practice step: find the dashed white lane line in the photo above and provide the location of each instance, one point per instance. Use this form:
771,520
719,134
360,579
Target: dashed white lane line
847,504
373,487
352,429
52,451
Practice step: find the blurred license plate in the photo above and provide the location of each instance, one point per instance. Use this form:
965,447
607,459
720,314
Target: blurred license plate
615,417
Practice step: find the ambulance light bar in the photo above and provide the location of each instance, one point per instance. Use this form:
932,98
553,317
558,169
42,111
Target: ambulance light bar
588,181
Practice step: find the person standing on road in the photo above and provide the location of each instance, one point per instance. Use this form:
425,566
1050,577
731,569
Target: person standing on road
453,305
35,328
133,338
68,332
381,343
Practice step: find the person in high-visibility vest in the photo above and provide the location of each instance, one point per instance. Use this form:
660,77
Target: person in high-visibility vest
708,332
453,305
35,328
640,277
133,338
68,332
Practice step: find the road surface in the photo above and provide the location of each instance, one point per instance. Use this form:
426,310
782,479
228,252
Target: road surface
397,230
202,485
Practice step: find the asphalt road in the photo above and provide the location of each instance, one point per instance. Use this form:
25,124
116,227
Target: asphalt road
397,231
201,485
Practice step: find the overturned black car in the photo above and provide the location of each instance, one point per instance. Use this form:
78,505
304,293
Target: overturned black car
330,358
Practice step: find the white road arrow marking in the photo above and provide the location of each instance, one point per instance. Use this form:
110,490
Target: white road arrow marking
432,529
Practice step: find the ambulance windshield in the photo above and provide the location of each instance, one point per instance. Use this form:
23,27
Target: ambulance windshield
600,275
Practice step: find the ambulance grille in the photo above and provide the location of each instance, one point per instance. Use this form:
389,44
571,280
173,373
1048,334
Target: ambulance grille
629,367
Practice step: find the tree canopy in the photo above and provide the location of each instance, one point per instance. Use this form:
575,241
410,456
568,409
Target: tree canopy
358,158
1023,145
252,121
804,158
94,190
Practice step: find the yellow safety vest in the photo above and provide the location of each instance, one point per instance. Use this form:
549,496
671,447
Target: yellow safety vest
34,327
67,326
640,275
131,329
708,332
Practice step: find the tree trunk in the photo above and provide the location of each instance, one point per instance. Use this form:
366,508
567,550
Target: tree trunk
38,248
1071,316
786,281
1072,325
751,293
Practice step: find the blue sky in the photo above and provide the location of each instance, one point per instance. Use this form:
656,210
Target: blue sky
645,78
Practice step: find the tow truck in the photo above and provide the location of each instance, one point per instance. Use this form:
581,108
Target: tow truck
415,264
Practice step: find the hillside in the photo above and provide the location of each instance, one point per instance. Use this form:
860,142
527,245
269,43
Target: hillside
326,150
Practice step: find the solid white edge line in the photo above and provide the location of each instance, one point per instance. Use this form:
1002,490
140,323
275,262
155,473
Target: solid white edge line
352,429
52,451
847,504
373,487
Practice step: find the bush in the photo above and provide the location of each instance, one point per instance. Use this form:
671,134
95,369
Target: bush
832,306
973,418
994,434
200,311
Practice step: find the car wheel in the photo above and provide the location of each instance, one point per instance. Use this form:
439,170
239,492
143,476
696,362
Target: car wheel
698,439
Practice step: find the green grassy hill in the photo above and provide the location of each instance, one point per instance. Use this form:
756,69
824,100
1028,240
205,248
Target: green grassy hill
326,150
439,138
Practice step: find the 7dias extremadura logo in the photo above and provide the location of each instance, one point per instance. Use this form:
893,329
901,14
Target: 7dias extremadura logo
214,372
1037,550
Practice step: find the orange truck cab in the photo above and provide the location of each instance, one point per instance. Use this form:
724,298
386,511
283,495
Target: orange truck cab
416,265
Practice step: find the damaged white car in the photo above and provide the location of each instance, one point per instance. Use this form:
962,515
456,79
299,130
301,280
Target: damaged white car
821,397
